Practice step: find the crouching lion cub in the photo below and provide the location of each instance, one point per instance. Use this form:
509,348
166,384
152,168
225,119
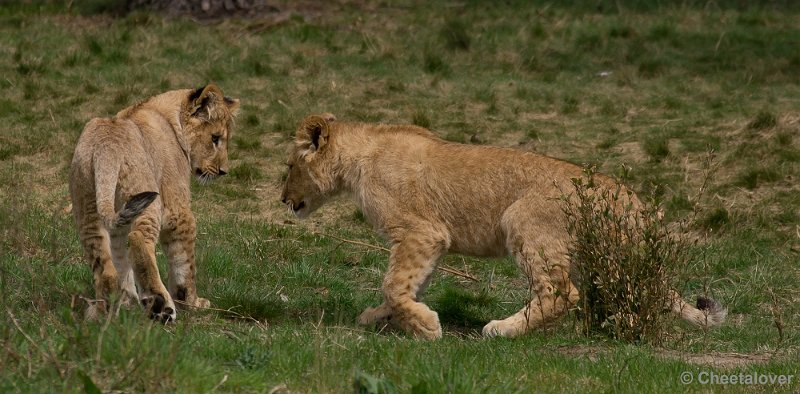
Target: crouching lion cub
129,184
430,197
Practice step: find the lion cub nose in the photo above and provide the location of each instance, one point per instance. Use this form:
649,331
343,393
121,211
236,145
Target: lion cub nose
222,172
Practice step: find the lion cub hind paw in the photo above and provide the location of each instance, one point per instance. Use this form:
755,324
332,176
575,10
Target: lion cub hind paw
202,303
95,310
158,309
500,328
374,315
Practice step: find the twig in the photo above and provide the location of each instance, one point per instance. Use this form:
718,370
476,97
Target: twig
441,267
130,368
456,272
228,311
109,315
221,382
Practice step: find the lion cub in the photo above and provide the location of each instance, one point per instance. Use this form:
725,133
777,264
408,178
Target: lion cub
129,184
430,197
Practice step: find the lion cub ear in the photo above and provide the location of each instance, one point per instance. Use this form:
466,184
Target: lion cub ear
208,103
314,131
233,105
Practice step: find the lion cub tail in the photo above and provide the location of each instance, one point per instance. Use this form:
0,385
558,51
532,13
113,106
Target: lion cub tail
133,208
706,313
130,211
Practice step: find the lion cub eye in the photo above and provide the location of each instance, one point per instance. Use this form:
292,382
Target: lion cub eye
215,139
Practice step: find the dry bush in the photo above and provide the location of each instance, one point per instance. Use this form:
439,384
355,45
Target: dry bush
623,261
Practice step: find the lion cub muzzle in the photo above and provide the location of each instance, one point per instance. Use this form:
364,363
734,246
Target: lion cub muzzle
295,208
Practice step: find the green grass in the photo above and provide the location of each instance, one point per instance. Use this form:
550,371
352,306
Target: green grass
643,89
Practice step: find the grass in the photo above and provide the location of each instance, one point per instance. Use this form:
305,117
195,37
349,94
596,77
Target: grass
642,89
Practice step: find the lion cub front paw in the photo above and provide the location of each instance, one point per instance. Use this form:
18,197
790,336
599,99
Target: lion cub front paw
373,315
422,324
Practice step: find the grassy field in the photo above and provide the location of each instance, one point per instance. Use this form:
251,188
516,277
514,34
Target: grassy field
696,104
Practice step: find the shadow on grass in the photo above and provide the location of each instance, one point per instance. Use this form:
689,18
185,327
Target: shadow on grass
461,310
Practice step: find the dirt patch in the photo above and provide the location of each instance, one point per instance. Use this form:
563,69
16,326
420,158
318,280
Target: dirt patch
217,10
720,360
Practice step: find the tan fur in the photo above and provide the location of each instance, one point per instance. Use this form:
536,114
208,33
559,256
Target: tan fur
429,197
154,146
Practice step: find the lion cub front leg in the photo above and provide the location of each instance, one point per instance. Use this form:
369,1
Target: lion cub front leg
411,263
178,241
383,312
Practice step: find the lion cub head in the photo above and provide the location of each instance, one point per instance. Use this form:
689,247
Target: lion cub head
207,122
309,178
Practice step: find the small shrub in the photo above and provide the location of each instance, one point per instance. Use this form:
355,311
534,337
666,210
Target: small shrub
623,262
421,119
7,107
764,120
754,177
650,68
455,35
456,136
606,143
247,143
656,147
246,172
395,86
253,357
619,30
662,31
122,98
259,68
783,138
679,202
715,220
434,64
364,383
358,216
569,105
252,120
216,73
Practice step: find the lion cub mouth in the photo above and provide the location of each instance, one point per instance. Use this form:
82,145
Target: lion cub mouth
295,209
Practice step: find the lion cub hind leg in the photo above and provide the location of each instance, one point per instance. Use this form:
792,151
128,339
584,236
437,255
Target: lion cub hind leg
542,256
411,263
127,285
96,246
142,255
551,295
178,242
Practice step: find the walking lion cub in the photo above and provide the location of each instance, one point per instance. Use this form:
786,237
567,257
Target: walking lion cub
129,184
429,197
